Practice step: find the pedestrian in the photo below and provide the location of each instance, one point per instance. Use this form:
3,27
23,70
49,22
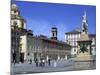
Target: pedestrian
30,61
14,58
49,62
40,62
36,61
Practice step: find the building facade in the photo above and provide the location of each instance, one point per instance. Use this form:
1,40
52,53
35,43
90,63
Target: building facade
41,47
18,27
71,38
15,44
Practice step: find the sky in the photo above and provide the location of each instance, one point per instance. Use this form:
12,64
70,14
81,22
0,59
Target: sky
40,17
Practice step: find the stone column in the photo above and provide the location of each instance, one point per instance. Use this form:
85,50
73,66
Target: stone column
58,57
32,56
66,57
47,58
38,56
78,50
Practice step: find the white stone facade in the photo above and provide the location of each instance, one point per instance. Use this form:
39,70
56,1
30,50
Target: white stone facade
71,39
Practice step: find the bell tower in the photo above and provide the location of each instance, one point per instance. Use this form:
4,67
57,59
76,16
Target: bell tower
54,33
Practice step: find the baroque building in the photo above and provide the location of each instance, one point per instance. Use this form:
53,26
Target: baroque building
18,29
15,44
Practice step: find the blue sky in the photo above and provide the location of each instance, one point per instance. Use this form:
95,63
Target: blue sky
40,17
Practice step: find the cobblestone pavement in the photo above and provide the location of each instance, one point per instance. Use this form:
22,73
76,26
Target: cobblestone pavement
60,66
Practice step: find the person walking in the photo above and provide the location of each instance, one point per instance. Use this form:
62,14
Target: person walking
30,61
14,58
49,62
36,61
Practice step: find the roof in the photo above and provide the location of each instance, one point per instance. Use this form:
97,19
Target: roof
45,38
54,41
73,32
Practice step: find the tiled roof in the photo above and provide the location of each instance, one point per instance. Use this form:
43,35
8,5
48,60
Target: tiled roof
51,40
